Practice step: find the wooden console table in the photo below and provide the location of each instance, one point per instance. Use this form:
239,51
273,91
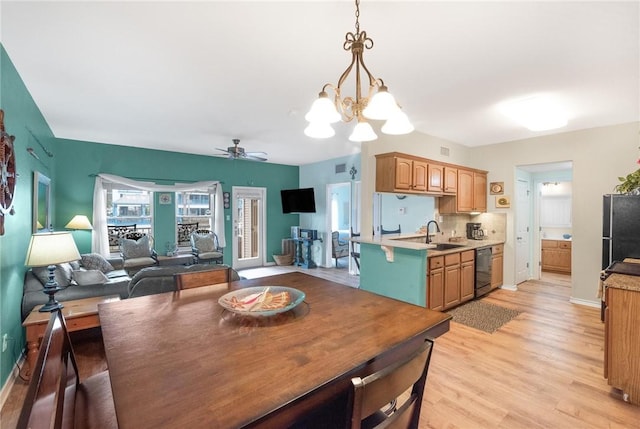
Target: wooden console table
79,314
303,247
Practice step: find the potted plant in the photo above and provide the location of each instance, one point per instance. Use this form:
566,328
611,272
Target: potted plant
630,184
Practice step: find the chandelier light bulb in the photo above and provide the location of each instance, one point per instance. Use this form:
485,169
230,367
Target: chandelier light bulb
382,105
397,124
319,130
362,132
323,110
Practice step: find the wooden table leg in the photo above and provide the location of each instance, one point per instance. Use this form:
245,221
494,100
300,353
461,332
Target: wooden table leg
32,356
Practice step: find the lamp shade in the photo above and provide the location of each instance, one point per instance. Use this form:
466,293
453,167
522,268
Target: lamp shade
397,124
323,110
381,106
362,132
319,130
79,222
51,248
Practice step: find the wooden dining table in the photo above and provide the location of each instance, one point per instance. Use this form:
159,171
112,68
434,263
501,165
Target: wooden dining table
180,360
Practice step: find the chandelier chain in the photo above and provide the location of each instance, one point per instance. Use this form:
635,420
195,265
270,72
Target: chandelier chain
357,16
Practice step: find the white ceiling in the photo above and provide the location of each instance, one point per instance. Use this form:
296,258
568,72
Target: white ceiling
190,76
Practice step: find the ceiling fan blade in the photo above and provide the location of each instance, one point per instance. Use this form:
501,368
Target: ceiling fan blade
254,157
258,154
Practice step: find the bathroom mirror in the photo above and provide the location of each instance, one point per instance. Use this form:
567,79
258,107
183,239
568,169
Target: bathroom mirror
41,202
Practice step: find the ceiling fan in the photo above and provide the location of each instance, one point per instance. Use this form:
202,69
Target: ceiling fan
237,152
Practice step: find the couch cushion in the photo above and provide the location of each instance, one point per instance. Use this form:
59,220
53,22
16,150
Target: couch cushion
63,274
204,243
89,277
95,261
132,249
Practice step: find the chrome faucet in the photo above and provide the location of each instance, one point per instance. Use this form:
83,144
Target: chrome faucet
437,229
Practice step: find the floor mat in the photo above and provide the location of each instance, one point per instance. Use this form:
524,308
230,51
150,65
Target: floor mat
482,315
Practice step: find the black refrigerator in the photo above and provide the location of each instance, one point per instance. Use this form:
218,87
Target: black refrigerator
621,228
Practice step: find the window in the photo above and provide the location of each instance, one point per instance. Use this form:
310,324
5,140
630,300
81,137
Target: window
193,212
128,207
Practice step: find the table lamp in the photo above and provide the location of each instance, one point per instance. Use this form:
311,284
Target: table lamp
47,250
79,222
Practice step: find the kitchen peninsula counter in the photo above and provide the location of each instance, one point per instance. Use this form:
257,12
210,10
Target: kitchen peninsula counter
395,265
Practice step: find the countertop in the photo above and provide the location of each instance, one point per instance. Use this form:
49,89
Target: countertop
623,281
416,242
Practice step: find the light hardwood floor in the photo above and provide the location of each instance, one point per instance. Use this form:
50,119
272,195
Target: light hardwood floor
541,370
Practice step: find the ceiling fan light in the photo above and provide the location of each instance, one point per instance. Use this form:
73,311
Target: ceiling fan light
319,130
323,110
381,106
398,124
362,132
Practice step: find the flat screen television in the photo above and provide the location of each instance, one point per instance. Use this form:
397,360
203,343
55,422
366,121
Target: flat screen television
298,200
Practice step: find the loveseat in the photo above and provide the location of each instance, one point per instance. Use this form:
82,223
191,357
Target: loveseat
95,275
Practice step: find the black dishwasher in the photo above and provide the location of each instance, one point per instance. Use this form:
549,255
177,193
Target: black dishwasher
483,271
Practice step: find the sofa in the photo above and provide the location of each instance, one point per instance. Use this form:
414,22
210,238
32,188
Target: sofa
95,275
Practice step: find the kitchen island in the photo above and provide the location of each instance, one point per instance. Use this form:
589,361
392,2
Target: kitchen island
396,265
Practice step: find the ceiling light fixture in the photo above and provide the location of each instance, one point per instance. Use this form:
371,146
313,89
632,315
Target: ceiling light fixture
537,113
379,104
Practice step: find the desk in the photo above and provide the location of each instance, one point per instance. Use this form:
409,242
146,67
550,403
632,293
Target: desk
179,360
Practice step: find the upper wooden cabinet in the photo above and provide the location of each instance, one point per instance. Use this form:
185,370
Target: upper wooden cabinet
471,195
399,172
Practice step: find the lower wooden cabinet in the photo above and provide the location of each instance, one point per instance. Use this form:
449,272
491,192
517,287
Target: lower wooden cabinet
497,265
467,275
450,280
556,256
621,342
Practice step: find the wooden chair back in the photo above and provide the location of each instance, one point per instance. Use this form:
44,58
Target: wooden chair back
55,397
389,231
188,280
372,393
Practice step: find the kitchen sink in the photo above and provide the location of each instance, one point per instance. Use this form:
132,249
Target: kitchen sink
444,246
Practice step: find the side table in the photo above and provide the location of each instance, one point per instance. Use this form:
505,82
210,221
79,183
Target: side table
79,314
180,259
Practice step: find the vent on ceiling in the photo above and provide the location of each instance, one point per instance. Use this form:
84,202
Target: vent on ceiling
341,168
444,151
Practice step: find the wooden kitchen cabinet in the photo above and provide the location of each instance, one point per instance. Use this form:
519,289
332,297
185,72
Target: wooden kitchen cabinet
435,283
471,195
467,275
556,256
451,280
622,344
435,178
404,174
450,180
497,265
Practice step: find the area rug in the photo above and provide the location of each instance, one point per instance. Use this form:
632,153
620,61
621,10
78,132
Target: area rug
482,315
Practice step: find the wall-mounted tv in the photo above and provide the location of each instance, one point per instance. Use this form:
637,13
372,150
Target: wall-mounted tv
298,200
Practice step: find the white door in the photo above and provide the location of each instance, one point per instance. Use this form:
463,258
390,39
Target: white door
337,216
249,227
355,224
523,231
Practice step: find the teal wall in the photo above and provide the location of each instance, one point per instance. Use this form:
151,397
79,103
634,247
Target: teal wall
71,170
21,114
403,279
77,162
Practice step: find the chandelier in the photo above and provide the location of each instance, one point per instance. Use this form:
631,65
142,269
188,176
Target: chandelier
379,104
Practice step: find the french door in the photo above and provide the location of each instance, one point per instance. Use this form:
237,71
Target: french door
249,227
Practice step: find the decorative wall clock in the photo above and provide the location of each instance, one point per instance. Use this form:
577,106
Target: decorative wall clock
8,173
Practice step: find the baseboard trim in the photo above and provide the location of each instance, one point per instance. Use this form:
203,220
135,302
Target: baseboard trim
585,302
509,287
11,380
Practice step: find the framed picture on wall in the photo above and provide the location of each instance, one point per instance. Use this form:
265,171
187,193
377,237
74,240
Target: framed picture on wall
503,202
165,198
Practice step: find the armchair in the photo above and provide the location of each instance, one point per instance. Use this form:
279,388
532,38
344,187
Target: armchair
339,248
205,247
136,249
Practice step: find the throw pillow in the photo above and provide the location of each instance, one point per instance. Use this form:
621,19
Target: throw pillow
95,261
136,249
63,274
89,277
204,243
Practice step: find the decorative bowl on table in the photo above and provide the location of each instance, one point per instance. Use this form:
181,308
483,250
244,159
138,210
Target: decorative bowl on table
261,300
566,236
